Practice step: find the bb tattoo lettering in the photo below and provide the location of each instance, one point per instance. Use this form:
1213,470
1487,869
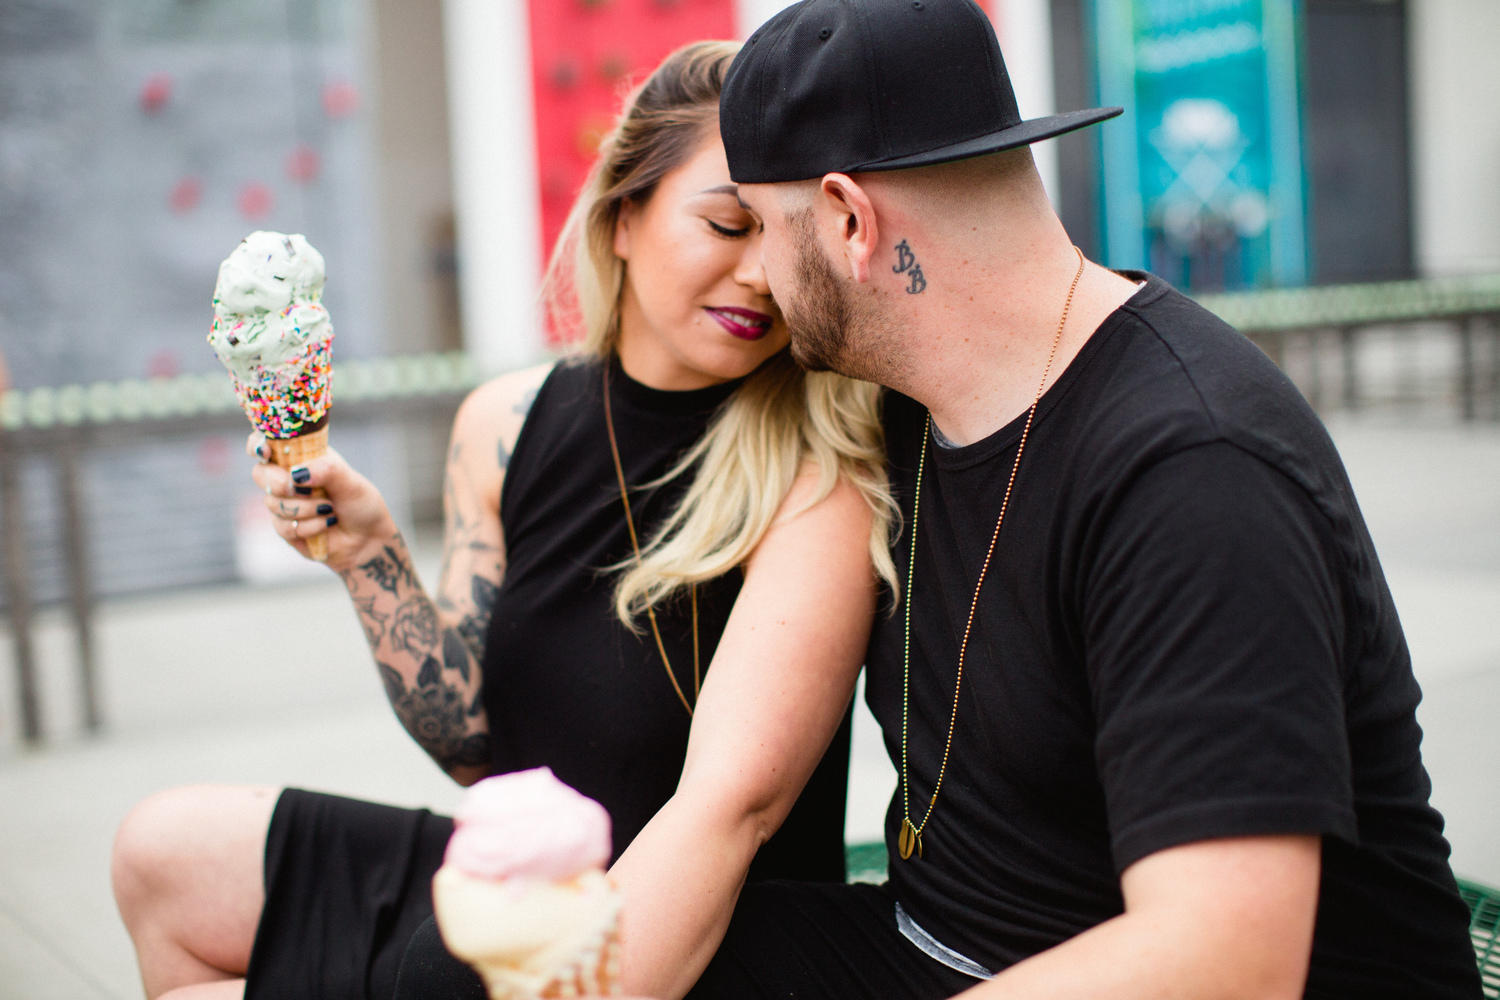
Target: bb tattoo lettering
906,263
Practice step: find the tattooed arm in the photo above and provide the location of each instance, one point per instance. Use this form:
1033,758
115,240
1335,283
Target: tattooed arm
428,650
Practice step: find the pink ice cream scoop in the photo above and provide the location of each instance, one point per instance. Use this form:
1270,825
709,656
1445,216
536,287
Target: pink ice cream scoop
522,895
528,824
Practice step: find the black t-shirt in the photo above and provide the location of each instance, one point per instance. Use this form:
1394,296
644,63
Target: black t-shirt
1184,634
566,685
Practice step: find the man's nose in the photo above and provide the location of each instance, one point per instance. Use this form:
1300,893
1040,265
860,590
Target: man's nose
751,271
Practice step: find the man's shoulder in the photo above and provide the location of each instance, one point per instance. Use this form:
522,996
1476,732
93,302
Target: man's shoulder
1190,352
1173,376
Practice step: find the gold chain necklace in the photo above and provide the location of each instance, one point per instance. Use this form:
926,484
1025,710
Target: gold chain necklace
635,543
910,838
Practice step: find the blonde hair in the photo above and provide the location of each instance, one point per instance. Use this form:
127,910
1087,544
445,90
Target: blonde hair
781,416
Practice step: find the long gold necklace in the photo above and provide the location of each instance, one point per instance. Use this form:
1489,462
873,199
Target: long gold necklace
635,544
910,838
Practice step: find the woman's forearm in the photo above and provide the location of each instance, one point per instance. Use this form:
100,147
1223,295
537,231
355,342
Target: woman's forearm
671,927
426,659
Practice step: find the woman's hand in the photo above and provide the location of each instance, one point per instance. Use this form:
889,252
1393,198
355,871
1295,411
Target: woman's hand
353,515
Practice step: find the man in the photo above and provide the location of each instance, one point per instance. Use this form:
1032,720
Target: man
1181,758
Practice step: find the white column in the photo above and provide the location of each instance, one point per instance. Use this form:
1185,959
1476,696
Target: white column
753,13
1455,116
494,179
1025,30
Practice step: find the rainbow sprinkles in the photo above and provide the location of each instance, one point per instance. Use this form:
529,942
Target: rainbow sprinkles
273,333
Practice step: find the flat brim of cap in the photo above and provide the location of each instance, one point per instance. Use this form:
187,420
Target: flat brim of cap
1021,134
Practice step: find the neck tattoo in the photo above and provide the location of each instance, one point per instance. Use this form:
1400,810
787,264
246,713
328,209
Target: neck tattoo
906,263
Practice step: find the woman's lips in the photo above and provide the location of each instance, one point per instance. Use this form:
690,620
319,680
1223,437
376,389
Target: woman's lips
746,324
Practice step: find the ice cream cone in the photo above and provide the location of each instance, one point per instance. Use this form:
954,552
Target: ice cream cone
272,332
299,450
522,895
534,939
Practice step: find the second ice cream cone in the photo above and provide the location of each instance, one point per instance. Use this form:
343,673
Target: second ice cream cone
291,452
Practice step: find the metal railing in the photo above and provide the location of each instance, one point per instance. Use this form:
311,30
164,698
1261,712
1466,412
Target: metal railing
1317,335
63,423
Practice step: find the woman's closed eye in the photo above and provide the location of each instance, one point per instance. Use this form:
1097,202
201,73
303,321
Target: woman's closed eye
726,232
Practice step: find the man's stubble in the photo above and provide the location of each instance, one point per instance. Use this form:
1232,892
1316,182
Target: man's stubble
829,330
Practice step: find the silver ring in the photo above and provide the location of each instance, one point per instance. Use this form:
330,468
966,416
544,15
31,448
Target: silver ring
294,526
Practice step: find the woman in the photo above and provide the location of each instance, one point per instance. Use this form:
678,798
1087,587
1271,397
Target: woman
609,519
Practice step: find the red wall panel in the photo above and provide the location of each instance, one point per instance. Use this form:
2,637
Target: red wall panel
584,55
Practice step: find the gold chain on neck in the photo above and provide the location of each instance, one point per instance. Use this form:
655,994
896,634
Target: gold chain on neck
635,544
910,838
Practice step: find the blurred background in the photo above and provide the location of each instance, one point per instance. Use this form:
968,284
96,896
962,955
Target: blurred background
1323,173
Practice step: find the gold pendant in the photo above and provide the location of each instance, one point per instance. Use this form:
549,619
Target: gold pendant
909,840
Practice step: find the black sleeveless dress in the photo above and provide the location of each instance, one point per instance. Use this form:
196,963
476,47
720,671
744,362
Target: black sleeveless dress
566,685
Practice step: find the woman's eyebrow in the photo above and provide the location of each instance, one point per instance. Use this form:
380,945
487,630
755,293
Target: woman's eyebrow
733,190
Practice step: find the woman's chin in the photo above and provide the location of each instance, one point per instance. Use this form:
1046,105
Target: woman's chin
737,358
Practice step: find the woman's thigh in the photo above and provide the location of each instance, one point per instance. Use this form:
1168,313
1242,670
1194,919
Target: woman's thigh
188,873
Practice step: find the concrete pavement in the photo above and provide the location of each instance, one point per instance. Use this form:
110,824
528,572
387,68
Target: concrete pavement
274,686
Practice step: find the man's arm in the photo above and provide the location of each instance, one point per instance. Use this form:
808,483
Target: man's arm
781,680
1230,919
1212,619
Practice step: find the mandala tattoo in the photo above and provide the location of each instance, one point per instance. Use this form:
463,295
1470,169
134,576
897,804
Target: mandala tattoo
434,714
416,626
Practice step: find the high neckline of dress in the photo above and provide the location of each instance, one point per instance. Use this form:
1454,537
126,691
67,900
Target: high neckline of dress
669,401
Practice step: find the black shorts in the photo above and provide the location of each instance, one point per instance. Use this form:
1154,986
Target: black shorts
347,884
809,940
816,941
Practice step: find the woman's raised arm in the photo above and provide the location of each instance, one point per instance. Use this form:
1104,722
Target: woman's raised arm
778,688
428,651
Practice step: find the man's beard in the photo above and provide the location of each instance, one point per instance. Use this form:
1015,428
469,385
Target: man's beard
829,331
818,317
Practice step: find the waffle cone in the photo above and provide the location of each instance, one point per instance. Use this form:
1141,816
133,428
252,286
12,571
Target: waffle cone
573,952
289,452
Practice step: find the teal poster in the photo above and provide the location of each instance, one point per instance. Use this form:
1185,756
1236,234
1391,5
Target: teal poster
1202,178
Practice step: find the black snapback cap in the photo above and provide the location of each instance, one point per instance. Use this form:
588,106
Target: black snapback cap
854,85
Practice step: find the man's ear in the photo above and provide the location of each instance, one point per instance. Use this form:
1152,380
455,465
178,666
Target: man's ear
622,229
854,216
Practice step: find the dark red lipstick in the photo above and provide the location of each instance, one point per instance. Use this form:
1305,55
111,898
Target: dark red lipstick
746,324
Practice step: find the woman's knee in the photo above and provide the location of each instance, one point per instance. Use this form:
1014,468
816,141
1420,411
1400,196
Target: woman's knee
207,838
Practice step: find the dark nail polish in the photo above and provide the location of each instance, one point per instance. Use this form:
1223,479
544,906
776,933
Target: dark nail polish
300,474
325,508
333,520
302,491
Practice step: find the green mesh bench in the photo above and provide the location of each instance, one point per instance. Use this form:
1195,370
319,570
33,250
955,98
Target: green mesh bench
1484,930
867,863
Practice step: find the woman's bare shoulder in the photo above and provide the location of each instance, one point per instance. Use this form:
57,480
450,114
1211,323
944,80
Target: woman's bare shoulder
504,399
487,426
